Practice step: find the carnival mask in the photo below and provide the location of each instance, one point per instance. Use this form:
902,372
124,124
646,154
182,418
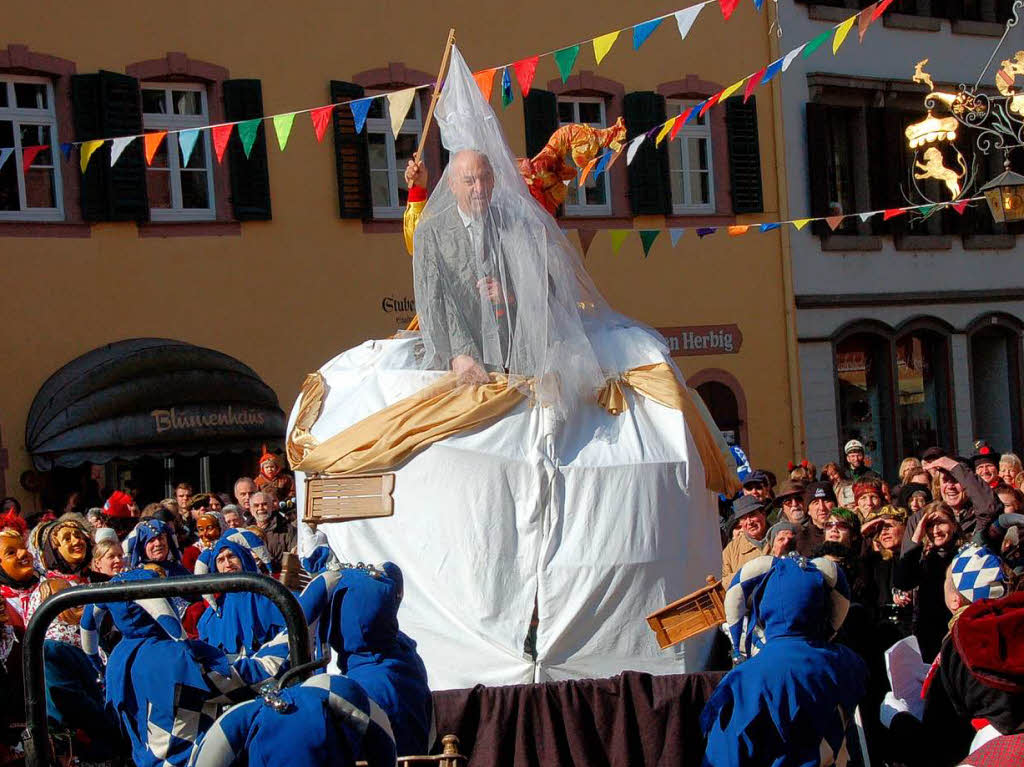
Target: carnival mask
72,544
15,558
208,530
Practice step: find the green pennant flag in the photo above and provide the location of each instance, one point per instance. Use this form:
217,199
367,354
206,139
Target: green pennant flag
247,132
647,237
565,59
926,210
816,43
283,127
618,237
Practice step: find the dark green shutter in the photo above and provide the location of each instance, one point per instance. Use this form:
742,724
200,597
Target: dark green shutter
649,191
744,155
818,143
540,112
879,169
351,155
107,105
250,177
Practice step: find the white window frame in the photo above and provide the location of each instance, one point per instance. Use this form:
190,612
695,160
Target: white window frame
413,125
25,116
580,206
678,151
172,122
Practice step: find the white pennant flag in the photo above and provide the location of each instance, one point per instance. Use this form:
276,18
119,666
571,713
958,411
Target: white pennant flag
6,152
790,56
865,216
117,146
398,105
634,145
685,19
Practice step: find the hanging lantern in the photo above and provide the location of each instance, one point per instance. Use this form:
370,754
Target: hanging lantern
1005,196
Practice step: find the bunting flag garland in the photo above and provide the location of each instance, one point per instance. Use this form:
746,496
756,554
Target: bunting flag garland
118,145
864,19
221,134
506,88
152,143
282,128
5,153
683,118
709,103
525,69
791,56
361,108
586,237
665,129
28,154
485,82
586,171
88,147
800,223
841,32
65,149
676,235
565,59
704,231
731,90
634,145
752,83
893,213
735,231
187,142
880,9
864,217
399,104
728,6
768,227
685,19
247,133
603,44
960,206
834,221
771,70
642,31
602,164
647,238
618,237
816,43
321,116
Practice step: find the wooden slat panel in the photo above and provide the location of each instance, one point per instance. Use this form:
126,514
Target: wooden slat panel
335,498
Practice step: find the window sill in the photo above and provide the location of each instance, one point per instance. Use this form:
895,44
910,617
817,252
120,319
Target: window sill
917,23
858,242
981,28
190,229
989,241
827,13
41,229
916,242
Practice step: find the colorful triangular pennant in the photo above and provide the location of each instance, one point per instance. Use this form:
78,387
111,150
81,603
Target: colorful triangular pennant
768,227
152,142
283,128
247,130
841,32
813,45
28,154
892,213
705,106
735,231
788,58
800,223
399,103
5,153
681,120
704,231
586,171
728,6
647,238
525,69
586,237
865,217
603,44
642,31
676,235
565,59
506,87
960,206
86,150
771,70
834,221
685,19
926,210
864,21
602,164
752,83
880,9
321,117
361,108
732,89
618,237
65,149
485,82
221,134
634,145
117,146
669,125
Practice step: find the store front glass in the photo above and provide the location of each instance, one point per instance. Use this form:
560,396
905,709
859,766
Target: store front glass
995,387
865,400
922,363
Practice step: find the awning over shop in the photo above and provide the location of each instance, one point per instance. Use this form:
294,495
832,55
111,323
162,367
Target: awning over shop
150,397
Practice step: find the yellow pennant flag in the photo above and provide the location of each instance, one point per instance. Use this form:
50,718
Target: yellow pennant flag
86,150
800,223
603,44
841,32
731,89
398,105
665,129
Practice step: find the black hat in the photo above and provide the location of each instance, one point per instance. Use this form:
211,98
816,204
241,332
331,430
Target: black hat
741,507
933,453
985,454
756,477
819,491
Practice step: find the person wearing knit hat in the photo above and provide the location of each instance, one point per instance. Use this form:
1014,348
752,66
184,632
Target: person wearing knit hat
819,500
782,538
868,497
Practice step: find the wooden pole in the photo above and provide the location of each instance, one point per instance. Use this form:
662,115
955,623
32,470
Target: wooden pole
436,94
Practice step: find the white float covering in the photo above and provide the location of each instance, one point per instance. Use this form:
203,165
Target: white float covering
602,520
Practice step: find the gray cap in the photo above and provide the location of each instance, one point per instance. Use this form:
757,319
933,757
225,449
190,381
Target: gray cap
778,527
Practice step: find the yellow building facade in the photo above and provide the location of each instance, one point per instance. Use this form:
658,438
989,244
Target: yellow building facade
286,288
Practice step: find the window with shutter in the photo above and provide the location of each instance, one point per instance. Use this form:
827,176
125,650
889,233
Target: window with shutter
594,197
388,156
648,173
350,152
744,155
250,176
691,171
540,114
28,119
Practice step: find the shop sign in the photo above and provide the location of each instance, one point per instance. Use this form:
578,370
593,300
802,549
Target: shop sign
698,340
196,419
402,308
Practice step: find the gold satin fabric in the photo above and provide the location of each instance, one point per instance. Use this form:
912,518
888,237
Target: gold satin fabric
385,439
300,441
659,383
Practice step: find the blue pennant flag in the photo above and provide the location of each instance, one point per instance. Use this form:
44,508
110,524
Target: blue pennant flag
186,143
506,87
602,163
704,231
5,152
65,149
642,31
676,235
758,4
771,70
360,109
769,227
694,112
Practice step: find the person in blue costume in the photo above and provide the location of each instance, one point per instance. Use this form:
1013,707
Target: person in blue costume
153,542
166,689
788,704
243,537
328,719
240,622
360,626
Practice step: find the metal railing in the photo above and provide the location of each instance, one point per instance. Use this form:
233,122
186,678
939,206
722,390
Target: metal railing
37,749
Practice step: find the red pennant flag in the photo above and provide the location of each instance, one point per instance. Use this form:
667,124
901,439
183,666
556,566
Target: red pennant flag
485,81
728,6
152,142
586,237
709,103
959,207
221,134
880,9
683,117
834,222
525,70
321,116
864,20
28,154
752,83
892,213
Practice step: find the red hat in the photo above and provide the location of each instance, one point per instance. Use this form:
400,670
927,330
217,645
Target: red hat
118,505
12,521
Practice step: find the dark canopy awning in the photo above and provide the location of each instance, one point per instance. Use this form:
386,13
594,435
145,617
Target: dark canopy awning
150,397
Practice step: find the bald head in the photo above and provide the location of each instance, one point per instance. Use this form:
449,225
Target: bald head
471,180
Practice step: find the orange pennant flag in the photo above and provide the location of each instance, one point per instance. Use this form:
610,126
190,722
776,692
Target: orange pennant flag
485,81
586,171
834,221
735,231
525,70
153,141
221,134
864,21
